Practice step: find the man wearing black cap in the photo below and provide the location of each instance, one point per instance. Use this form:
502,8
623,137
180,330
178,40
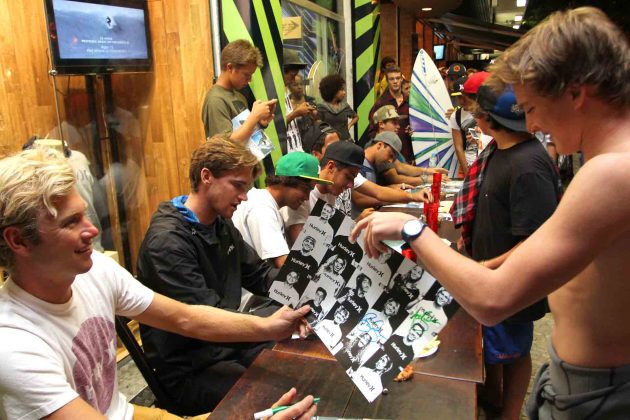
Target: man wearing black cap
350,198
239,60
454,72
340,162
292,64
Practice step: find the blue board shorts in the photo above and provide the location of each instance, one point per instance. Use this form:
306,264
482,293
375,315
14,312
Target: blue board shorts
507,341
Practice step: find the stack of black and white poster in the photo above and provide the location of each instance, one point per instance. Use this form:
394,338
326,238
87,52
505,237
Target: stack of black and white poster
374,315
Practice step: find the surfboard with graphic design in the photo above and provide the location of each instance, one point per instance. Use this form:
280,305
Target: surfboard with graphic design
428,102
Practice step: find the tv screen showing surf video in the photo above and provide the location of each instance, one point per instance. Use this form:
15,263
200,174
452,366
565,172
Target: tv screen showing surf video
87,31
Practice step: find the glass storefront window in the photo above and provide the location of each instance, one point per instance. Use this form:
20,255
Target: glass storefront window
102,127
319,42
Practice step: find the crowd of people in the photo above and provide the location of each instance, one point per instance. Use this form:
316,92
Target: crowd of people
526,246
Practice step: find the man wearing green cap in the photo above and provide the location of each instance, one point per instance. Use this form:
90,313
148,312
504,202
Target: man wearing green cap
193,253
259,219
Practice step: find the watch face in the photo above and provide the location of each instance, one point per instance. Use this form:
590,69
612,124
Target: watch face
413,228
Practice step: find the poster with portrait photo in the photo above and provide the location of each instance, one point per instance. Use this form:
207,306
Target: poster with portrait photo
381,269
305,257
324,222
373,314
355,299
301,265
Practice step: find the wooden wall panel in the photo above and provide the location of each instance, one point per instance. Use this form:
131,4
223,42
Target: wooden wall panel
26,92
159,112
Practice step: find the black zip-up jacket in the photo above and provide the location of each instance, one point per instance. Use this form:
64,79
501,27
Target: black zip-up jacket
199,265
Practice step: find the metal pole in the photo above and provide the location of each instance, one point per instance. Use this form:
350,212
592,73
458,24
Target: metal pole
53,74
215,28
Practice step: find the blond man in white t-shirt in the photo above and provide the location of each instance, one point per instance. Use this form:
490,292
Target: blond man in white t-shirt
58,304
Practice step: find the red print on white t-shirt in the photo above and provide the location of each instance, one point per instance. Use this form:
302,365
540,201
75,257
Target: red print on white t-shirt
94,372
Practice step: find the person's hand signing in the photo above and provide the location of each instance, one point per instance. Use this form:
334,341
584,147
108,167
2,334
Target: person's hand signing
303,410
379,227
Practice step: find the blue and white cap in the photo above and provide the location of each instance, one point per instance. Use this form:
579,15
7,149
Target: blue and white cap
503,108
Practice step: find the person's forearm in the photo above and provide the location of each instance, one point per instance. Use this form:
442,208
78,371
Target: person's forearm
293,232
202,322
279,261
409,170
410,180
291,116
245,131
497,261
475,287
390,195
364,201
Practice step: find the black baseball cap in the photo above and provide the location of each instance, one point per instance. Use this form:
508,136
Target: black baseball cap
314,134
458,86
346,152
456,69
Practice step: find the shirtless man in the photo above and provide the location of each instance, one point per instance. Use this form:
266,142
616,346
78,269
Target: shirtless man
578,92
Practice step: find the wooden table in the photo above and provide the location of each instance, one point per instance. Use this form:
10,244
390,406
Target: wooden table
274,372
460,354
458,357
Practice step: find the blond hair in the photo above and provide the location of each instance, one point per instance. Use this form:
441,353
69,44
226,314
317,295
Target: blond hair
30,182
573,47
240,53
219,155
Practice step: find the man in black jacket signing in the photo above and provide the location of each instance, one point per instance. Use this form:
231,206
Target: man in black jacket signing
193,253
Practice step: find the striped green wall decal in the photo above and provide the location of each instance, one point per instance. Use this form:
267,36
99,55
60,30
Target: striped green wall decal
365,54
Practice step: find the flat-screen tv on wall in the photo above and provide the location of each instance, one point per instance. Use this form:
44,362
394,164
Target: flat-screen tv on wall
438,52
99,36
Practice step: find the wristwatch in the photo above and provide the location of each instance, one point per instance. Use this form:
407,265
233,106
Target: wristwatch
412,229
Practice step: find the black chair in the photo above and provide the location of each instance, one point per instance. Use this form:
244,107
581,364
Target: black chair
162,399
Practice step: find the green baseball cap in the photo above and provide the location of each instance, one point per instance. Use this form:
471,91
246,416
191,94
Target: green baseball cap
300,164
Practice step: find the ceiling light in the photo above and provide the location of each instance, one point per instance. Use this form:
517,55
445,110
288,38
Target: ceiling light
427,9
518,18
516,26
521,3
